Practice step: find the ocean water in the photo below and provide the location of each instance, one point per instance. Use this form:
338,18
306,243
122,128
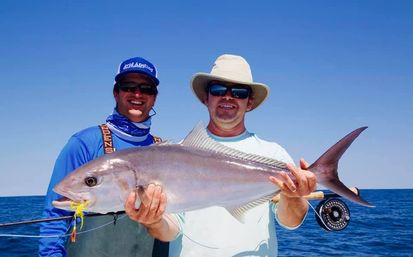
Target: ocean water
386,230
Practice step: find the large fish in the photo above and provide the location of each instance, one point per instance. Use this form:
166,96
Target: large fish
194,174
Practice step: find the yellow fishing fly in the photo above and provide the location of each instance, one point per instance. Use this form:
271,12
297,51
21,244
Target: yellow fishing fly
78,208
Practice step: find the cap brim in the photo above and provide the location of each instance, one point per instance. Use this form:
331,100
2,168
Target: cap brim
200,81
120,75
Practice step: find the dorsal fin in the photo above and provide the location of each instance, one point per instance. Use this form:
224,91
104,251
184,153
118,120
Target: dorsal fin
198,138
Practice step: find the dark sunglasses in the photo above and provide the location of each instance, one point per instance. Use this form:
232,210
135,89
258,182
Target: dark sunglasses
132,87
237,91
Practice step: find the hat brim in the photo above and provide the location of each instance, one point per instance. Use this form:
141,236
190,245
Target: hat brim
200,81
122,74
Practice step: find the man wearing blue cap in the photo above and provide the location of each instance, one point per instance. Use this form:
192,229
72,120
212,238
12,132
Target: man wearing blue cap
135,92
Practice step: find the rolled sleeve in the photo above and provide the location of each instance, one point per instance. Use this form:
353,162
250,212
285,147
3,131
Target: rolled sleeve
274,209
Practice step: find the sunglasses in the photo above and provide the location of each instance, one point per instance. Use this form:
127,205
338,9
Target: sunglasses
132,87
237,91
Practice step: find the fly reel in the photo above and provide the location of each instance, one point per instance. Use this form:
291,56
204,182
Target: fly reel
333,214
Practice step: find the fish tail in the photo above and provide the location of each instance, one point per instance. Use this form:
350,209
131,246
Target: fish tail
325,168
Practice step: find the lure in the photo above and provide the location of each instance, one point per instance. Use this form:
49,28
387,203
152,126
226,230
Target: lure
79,212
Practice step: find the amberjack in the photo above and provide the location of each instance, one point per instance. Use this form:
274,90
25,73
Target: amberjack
196,173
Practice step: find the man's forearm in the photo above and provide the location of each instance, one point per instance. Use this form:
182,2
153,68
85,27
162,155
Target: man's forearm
291,210
166,229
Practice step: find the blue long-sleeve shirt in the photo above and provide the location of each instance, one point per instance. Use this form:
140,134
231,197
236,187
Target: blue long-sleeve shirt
81,148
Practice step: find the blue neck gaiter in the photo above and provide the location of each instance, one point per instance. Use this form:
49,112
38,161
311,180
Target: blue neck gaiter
136,129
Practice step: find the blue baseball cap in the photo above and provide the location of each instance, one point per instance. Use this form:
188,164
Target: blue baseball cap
137,65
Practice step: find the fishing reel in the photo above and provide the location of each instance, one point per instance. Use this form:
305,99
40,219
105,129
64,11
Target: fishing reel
332,214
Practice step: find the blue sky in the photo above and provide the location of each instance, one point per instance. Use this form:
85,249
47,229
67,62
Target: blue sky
332,66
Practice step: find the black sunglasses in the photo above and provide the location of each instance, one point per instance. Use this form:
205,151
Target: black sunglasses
237,91
132,87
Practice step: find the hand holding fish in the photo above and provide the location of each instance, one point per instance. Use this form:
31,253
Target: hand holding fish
292,207
151,212
301,183
152,205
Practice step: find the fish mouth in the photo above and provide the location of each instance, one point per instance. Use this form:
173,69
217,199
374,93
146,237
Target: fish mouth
68,204
69,200
63,203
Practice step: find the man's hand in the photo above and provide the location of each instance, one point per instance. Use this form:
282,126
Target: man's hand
152,207
303,184
292,207
151,212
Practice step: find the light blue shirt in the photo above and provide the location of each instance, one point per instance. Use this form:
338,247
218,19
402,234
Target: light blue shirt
214,232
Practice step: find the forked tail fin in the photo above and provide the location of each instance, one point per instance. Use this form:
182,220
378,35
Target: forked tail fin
325,168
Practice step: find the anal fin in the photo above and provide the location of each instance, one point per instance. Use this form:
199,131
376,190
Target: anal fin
238,212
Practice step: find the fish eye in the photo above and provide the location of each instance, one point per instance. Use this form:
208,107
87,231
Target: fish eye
91,181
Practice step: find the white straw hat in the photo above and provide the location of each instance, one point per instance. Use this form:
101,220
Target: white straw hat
233,69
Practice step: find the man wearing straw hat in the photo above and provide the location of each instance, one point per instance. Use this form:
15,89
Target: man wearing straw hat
229,92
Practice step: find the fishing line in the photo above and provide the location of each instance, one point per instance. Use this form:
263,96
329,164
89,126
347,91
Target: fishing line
217,248
198,243
185,235
316,213
67,235
26,222
139,187
63,235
